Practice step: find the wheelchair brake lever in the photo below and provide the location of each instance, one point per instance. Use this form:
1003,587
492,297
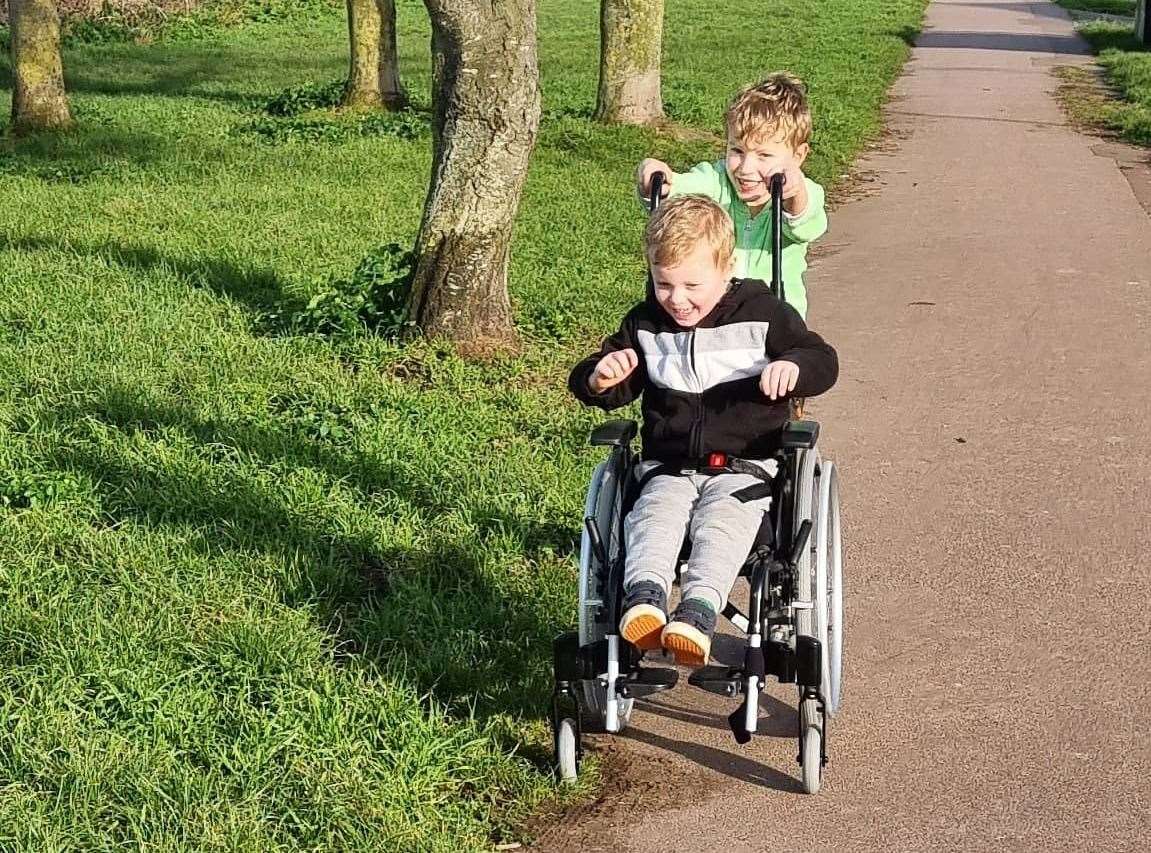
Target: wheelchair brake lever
801,538
596,540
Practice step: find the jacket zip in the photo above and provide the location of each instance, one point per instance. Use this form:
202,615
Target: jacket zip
697,424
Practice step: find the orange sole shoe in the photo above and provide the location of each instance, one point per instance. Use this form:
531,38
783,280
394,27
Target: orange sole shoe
689,646
642,626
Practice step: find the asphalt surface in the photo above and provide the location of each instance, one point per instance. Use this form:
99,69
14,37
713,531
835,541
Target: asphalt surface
990,297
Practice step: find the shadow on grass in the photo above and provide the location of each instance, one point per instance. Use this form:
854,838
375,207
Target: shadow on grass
907,34
259,290
170,71
189,79
169,84
85,149
436,611
1104,37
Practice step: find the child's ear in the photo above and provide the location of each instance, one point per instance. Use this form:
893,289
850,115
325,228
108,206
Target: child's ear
801,153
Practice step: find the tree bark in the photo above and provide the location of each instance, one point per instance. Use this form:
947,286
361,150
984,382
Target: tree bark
1142,23
631,42
392,91
39,101
486,109
373,68
363,87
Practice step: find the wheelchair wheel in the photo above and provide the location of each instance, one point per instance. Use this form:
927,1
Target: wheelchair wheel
604,504
806,506
807,622
829,584
567,750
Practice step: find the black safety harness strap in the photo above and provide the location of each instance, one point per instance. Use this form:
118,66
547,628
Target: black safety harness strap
711,465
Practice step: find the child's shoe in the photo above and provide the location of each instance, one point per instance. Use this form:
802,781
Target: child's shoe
644,615
688,634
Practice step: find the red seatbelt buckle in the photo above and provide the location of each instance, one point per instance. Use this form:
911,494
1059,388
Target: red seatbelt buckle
717,460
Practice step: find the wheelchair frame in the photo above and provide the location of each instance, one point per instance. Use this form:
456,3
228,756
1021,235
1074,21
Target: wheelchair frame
793,624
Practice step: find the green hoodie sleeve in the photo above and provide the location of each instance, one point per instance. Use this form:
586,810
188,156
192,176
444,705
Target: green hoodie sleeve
812,223
705,179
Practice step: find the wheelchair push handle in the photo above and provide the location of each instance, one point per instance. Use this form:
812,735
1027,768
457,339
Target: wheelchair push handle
655,196
777,235
656,191
801,537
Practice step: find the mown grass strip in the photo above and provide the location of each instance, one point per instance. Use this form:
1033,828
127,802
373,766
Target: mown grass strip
1126,64
1110,7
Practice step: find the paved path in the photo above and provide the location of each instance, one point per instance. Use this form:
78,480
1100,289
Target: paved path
991,301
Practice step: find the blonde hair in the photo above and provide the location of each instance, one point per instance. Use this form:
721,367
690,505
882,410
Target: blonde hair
683,223
775,105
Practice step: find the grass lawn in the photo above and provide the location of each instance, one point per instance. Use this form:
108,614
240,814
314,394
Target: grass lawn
263,590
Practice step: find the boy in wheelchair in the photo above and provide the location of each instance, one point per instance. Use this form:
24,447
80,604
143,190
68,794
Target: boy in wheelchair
715,360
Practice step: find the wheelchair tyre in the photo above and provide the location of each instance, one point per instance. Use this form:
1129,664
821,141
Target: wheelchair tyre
605,504
811,750
829,585
806,506
567,750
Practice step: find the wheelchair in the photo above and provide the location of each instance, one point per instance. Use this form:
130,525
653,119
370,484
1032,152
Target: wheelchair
794,623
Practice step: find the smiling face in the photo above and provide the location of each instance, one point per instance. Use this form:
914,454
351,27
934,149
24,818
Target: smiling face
751,163
693,286
689,243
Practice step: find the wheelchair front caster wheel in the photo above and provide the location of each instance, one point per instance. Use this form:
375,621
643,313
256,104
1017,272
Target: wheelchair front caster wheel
811,747
812,760
567,761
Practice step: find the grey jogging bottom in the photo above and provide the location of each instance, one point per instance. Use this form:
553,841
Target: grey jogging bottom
722,530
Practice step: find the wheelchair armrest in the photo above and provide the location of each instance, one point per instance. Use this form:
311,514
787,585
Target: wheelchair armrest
799,434
614,433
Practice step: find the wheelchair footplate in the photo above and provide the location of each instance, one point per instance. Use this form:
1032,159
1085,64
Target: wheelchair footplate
721,680
647,680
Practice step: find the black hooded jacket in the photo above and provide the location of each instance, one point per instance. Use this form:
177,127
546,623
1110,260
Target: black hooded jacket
700,386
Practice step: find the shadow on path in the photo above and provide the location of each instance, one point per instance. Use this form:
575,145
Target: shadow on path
1038,43
734,766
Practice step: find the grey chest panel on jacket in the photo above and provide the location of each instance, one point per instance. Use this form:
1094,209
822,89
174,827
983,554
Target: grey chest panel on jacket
695,360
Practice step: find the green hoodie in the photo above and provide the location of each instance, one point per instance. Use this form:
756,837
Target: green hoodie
753,233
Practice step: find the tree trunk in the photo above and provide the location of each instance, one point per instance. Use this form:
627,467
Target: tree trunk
363,87
1142,24
631,41
39,101
373,70
485,85
391,88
